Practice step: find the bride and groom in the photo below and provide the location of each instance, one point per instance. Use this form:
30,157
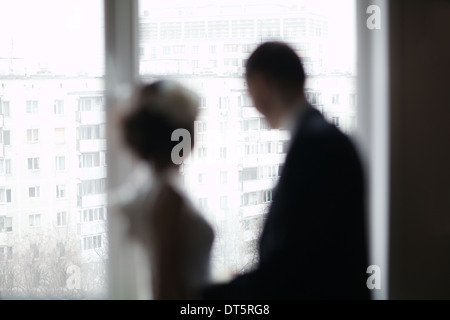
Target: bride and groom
313,244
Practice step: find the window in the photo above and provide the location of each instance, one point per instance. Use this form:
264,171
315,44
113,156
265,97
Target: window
89,160
93,214
201,178
6,137
5,195
95,103
60,163
203,203
335,99
224,203
203,104
231,48
60,191
231,62
223,152
60,136
314,98
32,107
91,132
6,224
5,108
335,121
33,164
223,177
34,192
255,151
201,126
91,187
178,49
61,218
250,125
92,242
54,82
267,196
201,152
32,135
5,166
59,107
6,253
34,220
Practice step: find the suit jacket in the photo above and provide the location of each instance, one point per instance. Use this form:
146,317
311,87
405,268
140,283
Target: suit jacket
313,244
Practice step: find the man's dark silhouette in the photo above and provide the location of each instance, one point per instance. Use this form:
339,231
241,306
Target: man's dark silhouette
313,245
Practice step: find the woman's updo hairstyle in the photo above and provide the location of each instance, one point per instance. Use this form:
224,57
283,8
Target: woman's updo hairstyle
157,110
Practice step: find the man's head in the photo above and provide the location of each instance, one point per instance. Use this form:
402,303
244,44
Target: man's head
275,79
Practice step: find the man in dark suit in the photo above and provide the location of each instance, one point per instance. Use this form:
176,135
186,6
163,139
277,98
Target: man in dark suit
313,244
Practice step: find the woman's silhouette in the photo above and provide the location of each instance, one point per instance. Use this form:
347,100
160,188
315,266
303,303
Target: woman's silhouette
177,239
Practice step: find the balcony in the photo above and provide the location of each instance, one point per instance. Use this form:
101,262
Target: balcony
90,117
91,145
92,173
255,210
256,185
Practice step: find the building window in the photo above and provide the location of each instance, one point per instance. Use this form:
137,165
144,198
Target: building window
250,124
61,218
201,178
5,195
178,49
91,132
89,160
60,163
314,98
6,253
335,121
90,187
201,126
335,99
5,108
32,107
223,203
223,152
34,192
33,164
93,214
231,48
267,196
60,191
201,152
59,107
230,62
91,104
5,166
7,137
5,224
32,135
60,136
203,203
34,220
223,177
92,242
203,104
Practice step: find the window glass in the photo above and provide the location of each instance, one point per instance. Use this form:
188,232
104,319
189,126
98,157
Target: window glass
235,146
51,112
